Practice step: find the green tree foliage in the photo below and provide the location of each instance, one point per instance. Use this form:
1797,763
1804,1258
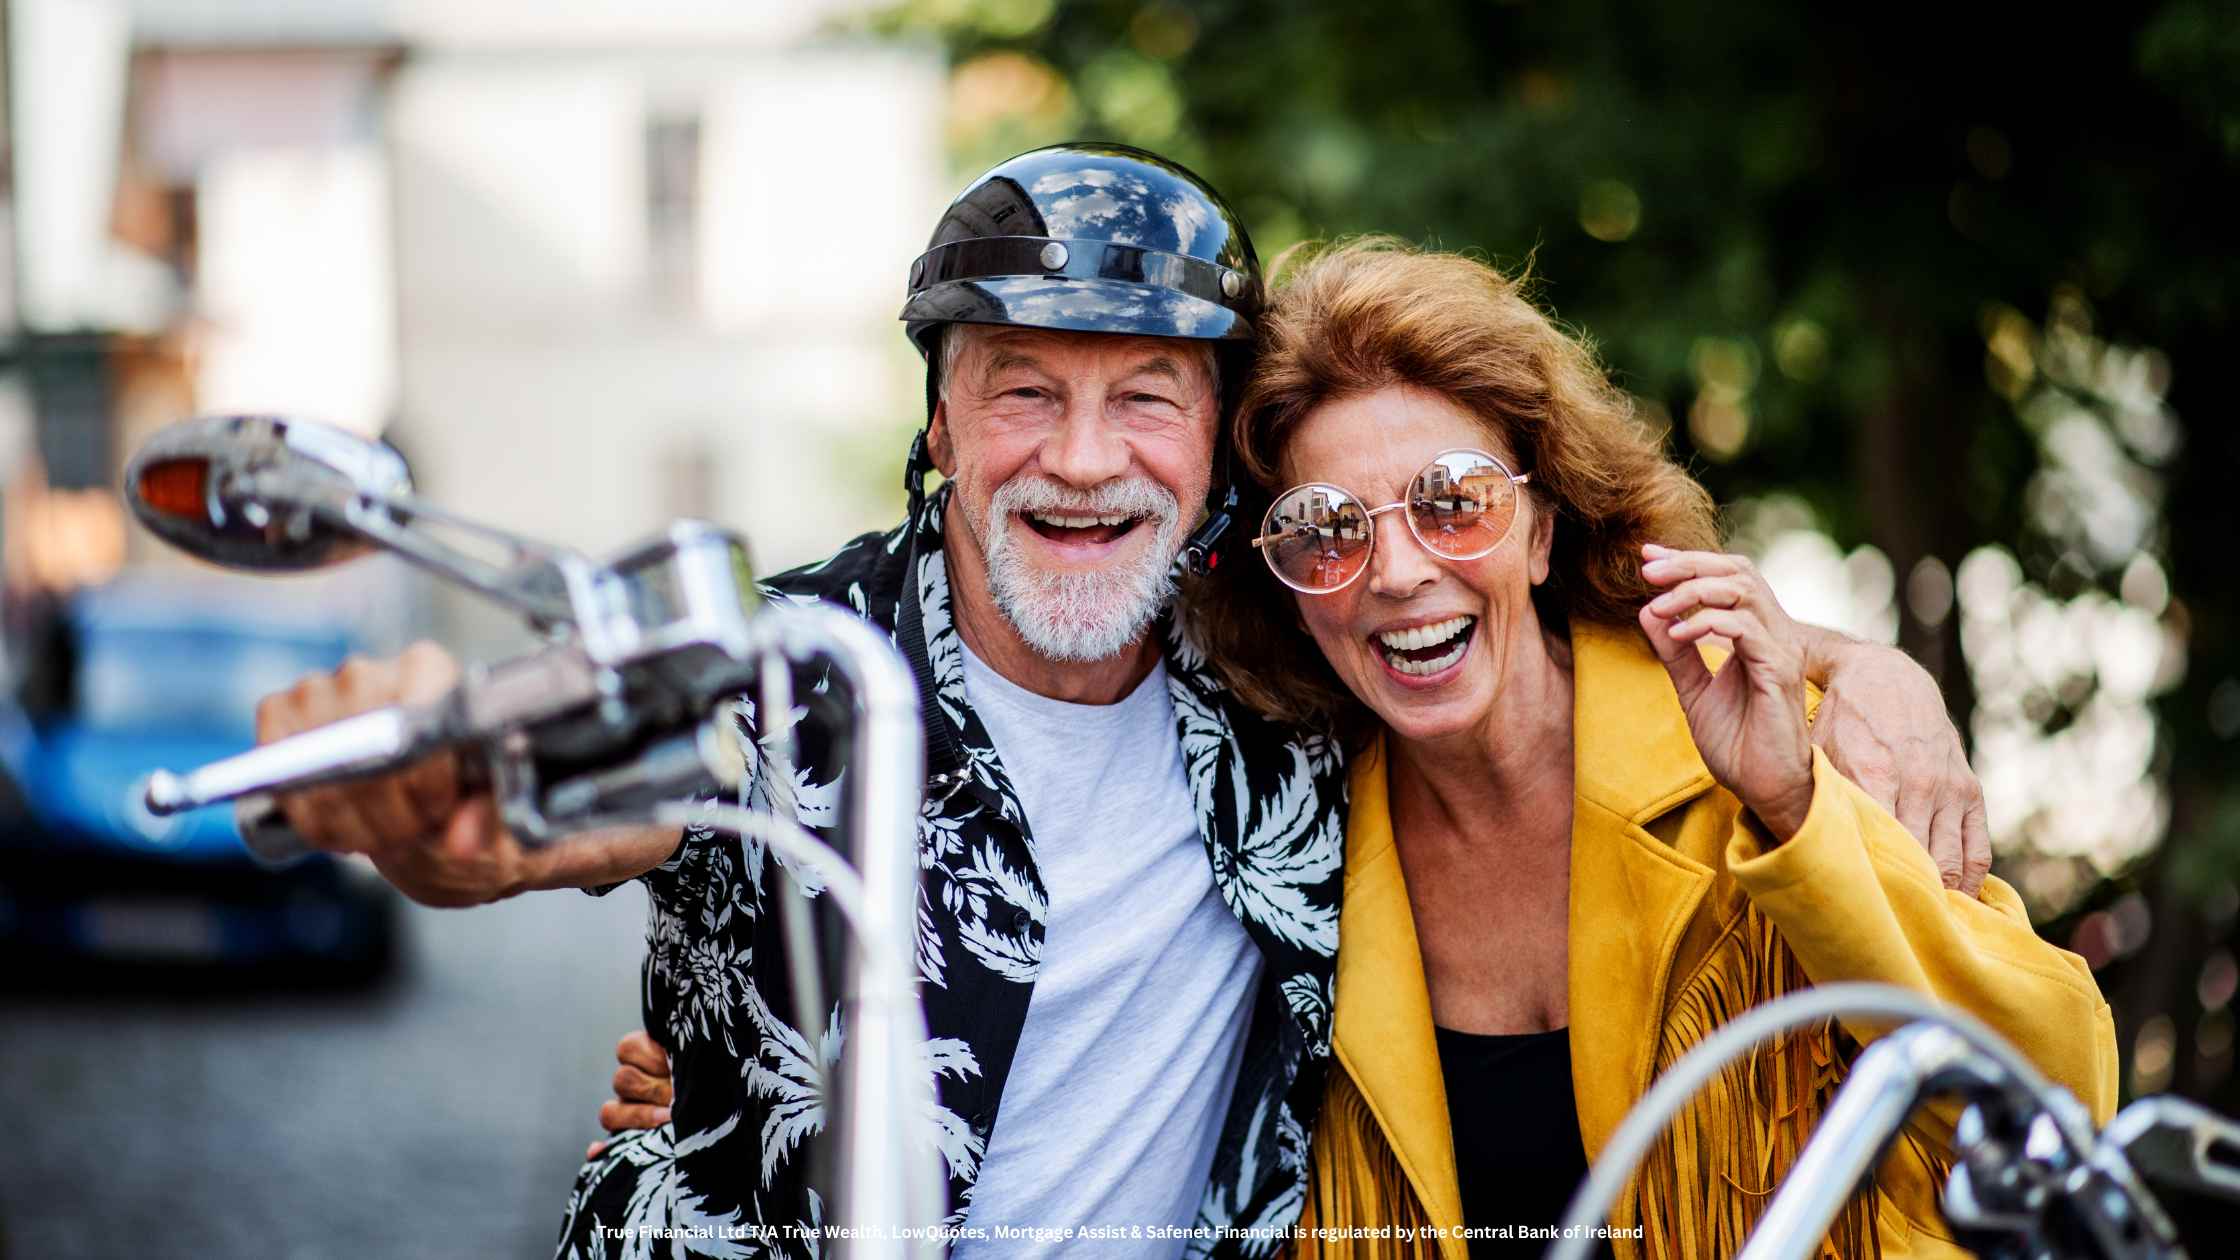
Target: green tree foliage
1907,264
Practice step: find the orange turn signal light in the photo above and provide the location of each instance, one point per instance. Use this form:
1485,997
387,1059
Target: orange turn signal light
177,487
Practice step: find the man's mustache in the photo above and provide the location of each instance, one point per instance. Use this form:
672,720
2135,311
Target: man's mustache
1134,496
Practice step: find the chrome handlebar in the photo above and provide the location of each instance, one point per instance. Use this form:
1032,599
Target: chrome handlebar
623,717
2030,1178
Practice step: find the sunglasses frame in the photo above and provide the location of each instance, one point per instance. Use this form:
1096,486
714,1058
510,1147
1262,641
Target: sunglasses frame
1260,543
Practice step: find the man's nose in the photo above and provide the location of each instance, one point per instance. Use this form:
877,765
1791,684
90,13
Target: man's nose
1085,451
1398,565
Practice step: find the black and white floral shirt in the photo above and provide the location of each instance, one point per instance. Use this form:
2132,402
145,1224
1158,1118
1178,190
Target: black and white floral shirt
730,1175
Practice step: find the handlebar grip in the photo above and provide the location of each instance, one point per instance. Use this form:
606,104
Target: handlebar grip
356,747
265,832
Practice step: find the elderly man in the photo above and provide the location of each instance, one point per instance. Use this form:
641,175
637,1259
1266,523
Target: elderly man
1129,903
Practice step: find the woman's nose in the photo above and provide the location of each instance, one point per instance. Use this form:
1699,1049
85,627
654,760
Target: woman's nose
1398,565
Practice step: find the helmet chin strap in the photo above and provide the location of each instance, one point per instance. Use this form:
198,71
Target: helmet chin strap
1202,553
945,762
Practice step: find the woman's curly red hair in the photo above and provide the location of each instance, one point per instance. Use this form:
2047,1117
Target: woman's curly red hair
1362,315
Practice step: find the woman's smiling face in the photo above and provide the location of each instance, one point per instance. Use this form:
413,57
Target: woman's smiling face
1373,445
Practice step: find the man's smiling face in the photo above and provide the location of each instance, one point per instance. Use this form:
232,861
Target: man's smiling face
1078,460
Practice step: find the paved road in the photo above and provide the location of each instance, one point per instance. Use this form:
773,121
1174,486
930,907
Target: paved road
441,1116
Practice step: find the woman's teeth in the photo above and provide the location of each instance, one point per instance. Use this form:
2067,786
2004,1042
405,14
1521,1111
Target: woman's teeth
1405,650
1425,636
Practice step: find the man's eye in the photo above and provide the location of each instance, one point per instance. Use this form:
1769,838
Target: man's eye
1147,398
1024,391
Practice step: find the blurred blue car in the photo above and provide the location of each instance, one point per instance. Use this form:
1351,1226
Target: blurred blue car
164,674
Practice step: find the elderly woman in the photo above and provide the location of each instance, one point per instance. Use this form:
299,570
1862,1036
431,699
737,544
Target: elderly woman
1577,842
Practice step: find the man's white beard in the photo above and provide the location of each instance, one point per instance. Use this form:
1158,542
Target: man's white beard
1090,616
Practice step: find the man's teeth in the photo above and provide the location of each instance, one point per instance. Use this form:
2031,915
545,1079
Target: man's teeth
1419,637
1064,521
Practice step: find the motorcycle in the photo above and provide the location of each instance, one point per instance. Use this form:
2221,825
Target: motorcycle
2030,1180
623,716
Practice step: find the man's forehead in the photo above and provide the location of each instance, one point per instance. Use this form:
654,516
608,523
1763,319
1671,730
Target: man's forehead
1002,347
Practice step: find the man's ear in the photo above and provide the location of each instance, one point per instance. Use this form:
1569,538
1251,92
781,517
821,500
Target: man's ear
938,445
1543,539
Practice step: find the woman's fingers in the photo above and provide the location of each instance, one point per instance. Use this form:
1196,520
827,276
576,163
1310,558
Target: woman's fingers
616,1116
1729,623
1665,566
1704,592
1681,659
634,1086
1753,644
641,1051
643,1090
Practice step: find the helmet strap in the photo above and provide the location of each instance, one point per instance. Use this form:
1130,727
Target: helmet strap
946,769
1202,553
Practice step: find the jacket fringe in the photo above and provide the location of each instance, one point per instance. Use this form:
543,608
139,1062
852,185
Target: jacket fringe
1706,1182
1711,1176
1354,1178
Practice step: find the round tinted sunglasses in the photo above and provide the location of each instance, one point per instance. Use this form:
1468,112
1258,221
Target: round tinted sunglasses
1317,538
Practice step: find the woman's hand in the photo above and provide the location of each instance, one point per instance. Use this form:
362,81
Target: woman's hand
643,1092
1748,719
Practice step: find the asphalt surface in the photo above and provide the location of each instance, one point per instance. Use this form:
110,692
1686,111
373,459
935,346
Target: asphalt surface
441,1114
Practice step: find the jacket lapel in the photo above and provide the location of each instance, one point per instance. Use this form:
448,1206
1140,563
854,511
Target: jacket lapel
1632,895
1384,1029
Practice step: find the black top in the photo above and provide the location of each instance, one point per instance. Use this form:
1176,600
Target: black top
1517,1152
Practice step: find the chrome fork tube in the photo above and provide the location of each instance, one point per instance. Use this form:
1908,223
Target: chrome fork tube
891,1182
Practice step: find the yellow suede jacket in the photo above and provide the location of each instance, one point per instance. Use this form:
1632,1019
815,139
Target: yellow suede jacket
1679,919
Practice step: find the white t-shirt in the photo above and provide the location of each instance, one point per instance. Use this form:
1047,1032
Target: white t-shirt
1123,1074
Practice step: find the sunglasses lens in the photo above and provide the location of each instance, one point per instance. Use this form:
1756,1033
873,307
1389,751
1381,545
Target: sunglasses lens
1319,538
1461,504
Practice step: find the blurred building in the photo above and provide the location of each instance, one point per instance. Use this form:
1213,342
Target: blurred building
590,265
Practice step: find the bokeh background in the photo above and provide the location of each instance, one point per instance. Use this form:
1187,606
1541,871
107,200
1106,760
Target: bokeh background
1935,298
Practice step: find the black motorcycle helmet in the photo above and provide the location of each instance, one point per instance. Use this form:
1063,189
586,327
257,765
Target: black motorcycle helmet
1088,237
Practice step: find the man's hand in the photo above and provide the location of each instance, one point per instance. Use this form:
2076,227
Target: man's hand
438,845
1884,726
643,1092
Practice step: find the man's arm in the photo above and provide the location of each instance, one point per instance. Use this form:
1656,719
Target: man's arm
1884,726
474,860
